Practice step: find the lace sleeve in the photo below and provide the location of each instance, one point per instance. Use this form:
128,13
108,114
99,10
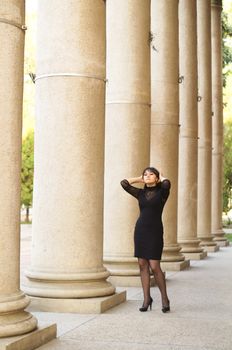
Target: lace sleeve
134,191
165,186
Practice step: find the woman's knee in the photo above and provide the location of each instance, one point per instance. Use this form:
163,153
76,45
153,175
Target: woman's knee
155,266
143,264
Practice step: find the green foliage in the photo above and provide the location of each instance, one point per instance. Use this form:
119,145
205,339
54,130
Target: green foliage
227,183
226,47
27,170
229,237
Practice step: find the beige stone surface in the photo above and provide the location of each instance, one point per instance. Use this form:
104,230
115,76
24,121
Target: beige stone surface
198,320
13,319
200,316
222,243
127,138
67,243
195,256
129,281
30,341
217,132
204,123
166,329
81,306
188,138
175,265
11,89
165,112
211,248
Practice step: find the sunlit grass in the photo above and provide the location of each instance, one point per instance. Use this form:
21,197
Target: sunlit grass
229,236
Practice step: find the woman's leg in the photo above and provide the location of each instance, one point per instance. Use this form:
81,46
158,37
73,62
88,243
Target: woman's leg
160,280
145,279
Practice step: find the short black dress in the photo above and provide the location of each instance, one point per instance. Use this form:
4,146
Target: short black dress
148,234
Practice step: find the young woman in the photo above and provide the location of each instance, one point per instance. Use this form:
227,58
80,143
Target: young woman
148,234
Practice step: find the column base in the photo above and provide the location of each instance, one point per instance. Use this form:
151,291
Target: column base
122,266
211,248
30,341
196,256
68,286
208,244
222,243
14,321
175,265
17,323
128,281
220,238
171,253
190,246
81,306
124,271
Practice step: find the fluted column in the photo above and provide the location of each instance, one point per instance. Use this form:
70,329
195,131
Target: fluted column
13,319
217,107
127,129
187,186
67,238
165,117
204,126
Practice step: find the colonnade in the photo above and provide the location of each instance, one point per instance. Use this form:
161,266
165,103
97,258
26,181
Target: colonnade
162,79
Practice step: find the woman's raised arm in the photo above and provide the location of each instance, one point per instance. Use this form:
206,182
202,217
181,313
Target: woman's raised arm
126,185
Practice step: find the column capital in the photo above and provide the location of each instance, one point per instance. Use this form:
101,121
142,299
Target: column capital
217,3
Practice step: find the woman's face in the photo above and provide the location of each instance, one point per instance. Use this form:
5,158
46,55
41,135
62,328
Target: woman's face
150,178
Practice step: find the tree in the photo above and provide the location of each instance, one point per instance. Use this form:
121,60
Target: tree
227,186
27,172
226,49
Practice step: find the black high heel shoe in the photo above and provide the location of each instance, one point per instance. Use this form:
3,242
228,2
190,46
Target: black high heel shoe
144,308
166,308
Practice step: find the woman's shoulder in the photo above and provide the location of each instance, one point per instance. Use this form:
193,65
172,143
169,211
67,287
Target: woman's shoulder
166,184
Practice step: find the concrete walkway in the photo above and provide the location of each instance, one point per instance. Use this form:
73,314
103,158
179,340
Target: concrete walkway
200,317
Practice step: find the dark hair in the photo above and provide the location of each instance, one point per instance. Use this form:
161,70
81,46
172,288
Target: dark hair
152,170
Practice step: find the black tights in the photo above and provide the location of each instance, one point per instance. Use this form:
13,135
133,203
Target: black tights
145,266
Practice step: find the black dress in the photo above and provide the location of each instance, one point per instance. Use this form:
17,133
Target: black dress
148,234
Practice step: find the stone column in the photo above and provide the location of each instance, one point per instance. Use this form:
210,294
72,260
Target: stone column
165,117
217,106
127,129
13,319
187,186
204,126
67,272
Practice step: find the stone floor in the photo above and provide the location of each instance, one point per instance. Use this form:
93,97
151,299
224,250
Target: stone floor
200,317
